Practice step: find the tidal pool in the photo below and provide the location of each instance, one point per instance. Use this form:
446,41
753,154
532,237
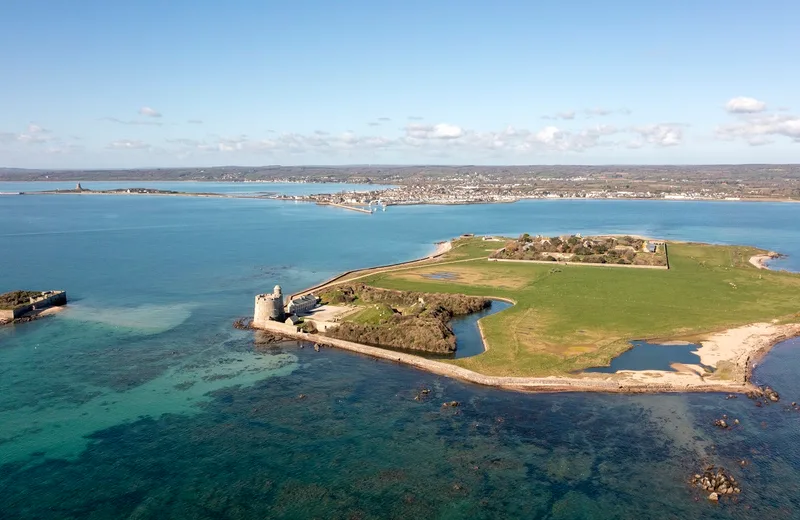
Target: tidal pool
652,356
468,336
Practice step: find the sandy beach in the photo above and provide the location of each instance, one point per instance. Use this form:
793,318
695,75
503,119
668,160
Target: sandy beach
760,261
743,346
442,248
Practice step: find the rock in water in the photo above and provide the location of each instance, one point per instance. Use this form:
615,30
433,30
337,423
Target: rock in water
713,497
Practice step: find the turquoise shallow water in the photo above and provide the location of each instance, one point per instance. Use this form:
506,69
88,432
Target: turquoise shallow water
142,401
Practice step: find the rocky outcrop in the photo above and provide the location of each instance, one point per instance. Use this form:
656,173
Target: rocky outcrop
717,483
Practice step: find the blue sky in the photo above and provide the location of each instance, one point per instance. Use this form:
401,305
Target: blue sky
99,84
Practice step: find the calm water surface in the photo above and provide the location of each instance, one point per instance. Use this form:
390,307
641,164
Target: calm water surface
651,356
141,401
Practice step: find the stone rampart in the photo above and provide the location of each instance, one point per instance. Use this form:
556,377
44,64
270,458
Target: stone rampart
49,299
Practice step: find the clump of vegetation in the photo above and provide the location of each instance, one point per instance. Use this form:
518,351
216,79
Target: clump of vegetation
455,304
14,299
401,319
593,250
308,327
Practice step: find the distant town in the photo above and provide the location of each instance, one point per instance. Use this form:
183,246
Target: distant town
394,185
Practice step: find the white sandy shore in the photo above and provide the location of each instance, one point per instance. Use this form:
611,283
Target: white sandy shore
742,346
760,261
442,248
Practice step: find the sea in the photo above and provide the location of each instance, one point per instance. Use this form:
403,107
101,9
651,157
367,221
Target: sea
141,400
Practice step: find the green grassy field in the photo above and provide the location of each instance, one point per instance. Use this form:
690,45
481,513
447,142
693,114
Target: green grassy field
372,314
571,317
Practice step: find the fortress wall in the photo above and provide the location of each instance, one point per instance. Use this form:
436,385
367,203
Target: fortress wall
53,300
262,309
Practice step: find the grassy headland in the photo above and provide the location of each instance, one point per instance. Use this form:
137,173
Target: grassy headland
397,319
568,317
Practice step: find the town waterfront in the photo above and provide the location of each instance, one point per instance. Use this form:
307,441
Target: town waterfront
141,400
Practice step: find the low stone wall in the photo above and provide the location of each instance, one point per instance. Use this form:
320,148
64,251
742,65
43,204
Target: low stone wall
528,384
339,276
51,299
589,264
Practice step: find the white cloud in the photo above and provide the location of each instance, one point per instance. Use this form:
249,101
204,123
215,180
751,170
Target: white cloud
439,140
569,114
602,112
195,122
745,105
598,111
588,113
64,149
757,130
127,144
446,131
438,131
149,112
548,134
384,119
184,141
661,134
35,134
134,122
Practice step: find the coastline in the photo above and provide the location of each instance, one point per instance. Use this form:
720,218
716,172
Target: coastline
732,352
741,348
648,381
401,203
440,249
760,261
35,315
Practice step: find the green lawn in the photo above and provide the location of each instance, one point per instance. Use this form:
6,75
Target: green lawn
372,314
571,317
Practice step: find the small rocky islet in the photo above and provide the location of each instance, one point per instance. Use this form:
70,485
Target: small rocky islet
717,483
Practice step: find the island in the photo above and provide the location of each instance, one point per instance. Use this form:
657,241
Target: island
22,306
567,317
609,250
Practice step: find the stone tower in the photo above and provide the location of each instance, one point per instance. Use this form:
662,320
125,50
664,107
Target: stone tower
269,307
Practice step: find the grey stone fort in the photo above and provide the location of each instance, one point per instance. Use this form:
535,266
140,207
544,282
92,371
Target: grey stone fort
269,306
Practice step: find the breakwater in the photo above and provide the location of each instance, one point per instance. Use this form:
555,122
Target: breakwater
345,206
612,384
